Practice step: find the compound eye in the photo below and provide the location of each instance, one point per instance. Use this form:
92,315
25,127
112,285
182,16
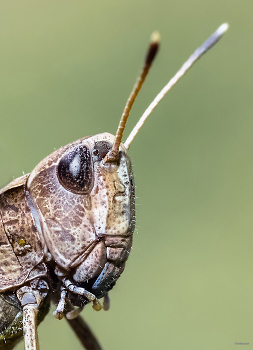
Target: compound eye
75,170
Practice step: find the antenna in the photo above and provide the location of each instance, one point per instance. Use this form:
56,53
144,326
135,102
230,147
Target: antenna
150,56
208,44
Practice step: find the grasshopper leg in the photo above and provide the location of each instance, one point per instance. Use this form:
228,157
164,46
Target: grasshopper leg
31,298
84,333
79,290
60,307
30,312
30,306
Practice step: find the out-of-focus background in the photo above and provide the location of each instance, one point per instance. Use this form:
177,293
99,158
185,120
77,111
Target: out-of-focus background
66,70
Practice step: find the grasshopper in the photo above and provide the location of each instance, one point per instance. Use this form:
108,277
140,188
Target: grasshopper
66,228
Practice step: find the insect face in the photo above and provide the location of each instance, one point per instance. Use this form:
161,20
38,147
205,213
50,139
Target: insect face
86,209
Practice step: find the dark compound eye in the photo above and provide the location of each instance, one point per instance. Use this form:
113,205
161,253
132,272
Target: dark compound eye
75,170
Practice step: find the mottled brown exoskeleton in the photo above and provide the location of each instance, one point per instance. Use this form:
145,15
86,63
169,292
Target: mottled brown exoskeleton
66,228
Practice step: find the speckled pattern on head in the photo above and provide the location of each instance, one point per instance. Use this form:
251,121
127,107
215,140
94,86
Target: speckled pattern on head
76,227
73,210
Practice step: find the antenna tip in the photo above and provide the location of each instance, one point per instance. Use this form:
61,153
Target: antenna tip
155,37
153,48
223,28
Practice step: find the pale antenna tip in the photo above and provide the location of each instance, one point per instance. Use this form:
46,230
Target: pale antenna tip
223,28
155,37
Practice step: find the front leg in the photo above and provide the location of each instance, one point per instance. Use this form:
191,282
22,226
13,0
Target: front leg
31,339
59,312
82,291
31,297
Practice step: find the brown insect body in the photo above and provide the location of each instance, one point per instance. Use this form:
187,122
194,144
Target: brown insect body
73,212
66,229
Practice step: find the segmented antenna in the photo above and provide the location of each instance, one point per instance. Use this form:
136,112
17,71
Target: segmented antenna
208,44
150,56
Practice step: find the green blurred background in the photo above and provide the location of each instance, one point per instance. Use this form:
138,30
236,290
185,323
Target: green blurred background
66,70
